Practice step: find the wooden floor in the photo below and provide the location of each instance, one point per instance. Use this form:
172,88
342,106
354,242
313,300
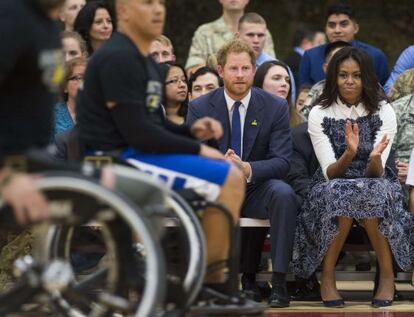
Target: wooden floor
357,297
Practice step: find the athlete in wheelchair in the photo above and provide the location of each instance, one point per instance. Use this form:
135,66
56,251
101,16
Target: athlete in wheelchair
119,114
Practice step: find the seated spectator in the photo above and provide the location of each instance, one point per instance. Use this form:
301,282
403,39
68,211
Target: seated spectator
341,25
403,86
404,62
73,45
203,81
410,182
95,23
313,96
262,150
65,112
210,37
351,130
69,12
302,96
176,94
162,50
273,77
404,138
305,38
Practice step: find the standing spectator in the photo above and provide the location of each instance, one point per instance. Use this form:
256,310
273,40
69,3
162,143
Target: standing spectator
304,39
202,81
262,150
162,50
69,13
273,77
351,130
73,45
252,29
403,86
404,62
95,23
65,112
341,25
176,94
210,37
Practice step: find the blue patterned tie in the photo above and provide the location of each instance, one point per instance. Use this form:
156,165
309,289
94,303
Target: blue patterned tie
236,129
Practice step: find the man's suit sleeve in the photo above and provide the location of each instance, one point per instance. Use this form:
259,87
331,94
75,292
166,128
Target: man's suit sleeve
299,174
193,114
276,164
305,70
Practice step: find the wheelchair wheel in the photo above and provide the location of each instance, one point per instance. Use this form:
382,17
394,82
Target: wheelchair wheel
185,252
122,280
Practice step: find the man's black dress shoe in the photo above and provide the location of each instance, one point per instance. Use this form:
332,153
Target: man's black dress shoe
336,303
279,296
250,289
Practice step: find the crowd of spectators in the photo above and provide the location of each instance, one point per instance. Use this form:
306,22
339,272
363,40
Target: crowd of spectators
324,138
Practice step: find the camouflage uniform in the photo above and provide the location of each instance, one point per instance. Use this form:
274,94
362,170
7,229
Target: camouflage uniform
404,139
13,244
313,95
403,86
210,37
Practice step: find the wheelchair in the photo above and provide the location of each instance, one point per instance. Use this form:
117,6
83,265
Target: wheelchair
153,256
48,277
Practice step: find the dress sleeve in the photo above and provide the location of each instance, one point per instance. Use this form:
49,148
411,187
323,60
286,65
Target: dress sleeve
320,141
389,128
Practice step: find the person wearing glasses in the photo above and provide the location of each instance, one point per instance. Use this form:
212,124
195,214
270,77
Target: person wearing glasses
65,112
175,93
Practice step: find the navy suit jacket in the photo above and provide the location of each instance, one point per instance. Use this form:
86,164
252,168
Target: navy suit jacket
267,144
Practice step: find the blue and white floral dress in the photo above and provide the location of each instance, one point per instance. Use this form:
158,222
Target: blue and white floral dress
353,195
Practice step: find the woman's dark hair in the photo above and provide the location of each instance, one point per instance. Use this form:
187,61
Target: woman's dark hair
372,93
258,81
200,72
85,17
182,112
261,73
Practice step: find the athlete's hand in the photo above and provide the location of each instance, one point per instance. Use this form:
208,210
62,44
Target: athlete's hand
210,152
29,205
207,128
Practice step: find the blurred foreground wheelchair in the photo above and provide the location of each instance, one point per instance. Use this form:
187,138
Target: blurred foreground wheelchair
149,260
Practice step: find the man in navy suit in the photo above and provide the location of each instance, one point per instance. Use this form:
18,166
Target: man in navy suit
257,139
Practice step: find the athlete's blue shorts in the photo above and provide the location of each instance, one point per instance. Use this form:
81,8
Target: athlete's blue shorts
203,175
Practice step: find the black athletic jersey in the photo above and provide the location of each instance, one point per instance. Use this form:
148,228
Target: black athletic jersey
120,75
31,71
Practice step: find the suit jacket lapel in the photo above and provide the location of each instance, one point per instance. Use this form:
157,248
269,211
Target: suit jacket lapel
252,124
221,113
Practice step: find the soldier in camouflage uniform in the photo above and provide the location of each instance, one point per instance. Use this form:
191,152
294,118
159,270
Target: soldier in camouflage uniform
210,37
404,139
403,86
